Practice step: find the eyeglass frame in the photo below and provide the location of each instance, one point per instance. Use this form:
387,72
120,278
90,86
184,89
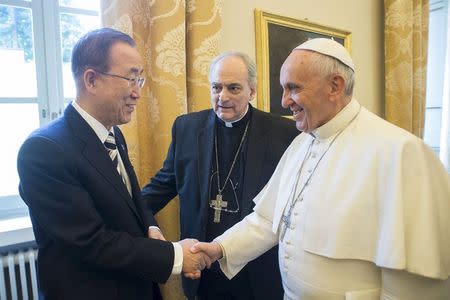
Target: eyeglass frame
132,82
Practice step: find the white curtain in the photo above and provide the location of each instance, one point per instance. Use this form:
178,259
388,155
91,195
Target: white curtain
445,131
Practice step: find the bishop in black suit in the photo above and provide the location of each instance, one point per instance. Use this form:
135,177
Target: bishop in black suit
227,152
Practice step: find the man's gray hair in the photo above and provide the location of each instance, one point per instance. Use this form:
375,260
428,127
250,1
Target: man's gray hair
327,65
249,63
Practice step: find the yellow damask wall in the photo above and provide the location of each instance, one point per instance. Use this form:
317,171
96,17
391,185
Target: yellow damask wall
406,48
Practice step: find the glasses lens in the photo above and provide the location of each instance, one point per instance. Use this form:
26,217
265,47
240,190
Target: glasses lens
140,82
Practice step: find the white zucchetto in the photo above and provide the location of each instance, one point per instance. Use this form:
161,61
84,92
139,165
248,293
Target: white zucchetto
328,47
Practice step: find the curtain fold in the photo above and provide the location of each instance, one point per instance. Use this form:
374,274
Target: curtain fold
406,47
177,40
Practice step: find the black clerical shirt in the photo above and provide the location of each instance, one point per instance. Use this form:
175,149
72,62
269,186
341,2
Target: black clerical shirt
228,140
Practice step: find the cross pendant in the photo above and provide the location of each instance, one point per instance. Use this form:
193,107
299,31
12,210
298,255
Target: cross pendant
286,219
218,204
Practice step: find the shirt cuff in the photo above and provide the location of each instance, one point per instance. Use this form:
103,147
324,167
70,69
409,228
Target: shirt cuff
178,259
154,227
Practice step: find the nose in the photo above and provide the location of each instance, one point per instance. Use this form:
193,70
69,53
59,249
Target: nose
136,92
223,95
286,100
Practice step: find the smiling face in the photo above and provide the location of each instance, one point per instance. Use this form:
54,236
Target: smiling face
308,94
113,100
230,88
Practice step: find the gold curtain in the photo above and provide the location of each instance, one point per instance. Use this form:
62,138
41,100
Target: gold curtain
177,40
406,47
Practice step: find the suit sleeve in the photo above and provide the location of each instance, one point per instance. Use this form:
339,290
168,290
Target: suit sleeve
163,186
64,213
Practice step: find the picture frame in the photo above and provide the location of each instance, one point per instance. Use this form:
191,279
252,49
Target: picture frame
276,36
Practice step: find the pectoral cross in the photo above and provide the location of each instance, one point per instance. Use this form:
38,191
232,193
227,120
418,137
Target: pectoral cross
218,204
286,219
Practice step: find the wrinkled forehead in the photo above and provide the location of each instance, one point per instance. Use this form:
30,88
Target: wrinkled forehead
228,70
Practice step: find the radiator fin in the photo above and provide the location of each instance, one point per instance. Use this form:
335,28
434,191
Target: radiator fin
18,279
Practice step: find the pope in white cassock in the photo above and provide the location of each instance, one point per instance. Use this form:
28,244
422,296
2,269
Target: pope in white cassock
359,207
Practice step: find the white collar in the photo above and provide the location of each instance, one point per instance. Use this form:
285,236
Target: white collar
338,122
230,124
98,127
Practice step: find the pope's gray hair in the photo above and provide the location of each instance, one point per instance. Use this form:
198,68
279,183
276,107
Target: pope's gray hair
327,65
249,63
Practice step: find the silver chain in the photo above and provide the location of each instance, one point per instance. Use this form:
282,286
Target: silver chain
294,188
220,190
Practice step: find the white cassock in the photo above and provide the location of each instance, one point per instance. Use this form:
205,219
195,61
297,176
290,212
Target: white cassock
373,201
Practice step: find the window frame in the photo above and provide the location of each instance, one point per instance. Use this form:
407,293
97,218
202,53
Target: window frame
50,98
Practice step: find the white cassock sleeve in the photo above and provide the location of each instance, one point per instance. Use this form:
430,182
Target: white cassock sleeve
254,235
244,242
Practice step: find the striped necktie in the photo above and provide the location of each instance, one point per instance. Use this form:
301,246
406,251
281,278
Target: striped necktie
110,145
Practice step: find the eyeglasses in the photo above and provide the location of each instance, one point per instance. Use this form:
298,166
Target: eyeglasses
132,82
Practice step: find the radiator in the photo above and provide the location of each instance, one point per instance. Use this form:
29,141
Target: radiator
18,279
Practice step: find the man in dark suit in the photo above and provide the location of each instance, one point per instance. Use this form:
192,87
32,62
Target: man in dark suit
219,159
93,230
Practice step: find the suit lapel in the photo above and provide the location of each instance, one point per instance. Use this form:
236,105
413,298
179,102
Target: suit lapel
256,152
94,152
205,139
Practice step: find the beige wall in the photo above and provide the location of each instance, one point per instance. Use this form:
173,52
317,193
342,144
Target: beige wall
364,19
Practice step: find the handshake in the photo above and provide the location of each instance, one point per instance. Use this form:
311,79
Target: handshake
197,256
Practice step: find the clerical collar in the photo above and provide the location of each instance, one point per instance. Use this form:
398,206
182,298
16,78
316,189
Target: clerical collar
238,122
339,122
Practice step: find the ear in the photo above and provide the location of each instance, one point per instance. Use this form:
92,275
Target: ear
337,86
252,92
89,80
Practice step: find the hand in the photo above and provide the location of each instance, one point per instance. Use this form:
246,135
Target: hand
155,233
213,250
193,263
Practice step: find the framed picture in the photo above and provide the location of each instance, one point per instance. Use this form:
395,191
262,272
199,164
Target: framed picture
276,36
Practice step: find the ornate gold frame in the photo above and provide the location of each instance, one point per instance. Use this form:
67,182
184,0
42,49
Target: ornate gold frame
262,21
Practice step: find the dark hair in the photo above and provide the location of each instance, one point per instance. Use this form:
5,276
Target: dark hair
92,50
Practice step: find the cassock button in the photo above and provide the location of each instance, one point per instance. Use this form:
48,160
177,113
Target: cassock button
313,155
309,171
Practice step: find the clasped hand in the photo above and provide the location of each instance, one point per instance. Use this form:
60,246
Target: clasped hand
197,256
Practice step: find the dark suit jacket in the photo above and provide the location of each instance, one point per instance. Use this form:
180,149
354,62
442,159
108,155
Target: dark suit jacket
91,233
186,172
